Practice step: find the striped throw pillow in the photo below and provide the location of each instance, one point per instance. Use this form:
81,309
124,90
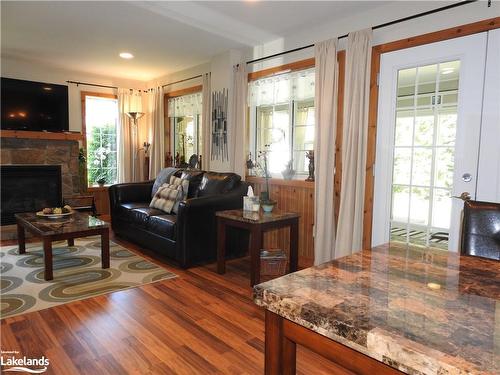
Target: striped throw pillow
184,184
166,197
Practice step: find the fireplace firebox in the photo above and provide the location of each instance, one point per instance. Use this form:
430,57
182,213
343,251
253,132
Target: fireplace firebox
29,188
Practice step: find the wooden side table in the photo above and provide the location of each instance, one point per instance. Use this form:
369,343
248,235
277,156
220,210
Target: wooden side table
256,223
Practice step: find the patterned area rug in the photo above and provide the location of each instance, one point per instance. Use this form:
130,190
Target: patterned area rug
77,274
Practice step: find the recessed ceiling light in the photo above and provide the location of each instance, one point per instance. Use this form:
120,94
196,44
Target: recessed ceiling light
448,70
126,55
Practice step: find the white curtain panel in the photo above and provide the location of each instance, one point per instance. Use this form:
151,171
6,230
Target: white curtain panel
237,144
206,120
157,126
324,159
354,141
124,135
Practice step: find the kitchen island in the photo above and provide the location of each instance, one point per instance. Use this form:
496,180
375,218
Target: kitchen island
388,310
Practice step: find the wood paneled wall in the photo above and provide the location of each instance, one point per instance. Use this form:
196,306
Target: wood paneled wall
101,199
293,196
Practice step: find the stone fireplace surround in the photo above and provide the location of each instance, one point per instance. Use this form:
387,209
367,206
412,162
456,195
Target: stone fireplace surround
15,151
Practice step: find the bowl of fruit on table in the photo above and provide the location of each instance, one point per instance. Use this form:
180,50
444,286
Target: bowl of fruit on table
55,212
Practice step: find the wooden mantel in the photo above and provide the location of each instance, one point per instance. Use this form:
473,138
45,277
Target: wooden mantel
41,135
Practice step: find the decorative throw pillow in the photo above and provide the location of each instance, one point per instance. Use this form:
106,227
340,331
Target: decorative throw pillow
163,178
184,187
166,197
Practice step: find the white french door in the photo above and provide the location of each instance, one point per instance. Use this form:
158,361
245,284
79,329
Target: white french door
428,137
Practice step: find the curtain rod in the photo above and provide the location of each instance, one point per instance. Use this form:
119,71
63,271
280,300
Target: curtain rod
91,84
183,80
97,85
454,5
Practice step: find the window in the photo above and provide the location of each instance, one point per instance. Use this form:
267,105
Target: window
282,118
101,119
184,114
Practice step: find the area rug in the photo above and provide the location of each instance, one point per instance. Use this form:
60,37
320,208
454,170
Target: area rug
77,274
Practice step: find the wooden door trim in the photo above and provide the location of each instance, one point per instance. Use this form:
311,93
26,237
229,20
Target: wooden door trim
166,121
296,65
186,91
437,36
83,95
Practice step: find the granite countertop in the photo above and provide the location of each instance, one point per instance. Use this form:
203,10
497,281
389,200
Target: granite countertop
421,311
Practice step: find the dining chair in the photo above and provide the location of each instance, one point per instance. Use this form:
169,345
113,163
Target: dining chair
481,229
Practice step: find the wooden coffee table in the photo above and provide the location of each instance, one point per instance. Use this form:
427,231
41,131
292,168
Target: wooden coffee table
68,228
256,223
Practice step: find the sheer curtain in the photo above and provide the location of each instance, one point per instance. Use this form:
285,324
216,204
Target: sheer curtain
124,135
237,143
324,158
282,88
354,143
206,120
157,126
128,101
185,105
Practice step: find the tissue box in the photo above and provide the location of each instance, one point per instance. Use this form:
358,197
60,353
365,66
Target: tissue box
251,204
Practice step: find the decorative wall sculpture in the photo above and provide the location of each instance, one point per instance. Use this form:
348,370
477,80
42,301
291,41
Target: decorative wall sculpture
219,125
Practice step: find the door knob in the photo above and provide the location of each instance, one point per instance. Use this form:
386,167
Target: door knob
465,196
467,177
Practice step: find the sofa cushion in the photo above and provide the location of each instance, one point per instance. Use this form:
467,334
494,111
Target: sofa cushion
122,209
194,177
140,216
162,225
214,183
166,197
163,178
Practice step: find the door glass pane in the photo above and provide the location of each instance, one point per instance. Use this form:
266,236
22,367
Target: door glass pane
421,170
426,78
443,175
419,206
424,127
423,164
404,128
400,204
442,205
402,166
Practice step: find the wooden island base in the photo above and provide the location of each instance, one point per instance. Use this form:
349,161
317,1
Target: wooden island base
282,336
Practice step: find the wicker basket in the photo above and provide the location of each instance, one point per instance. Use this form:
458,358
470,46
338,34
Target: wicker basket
272,262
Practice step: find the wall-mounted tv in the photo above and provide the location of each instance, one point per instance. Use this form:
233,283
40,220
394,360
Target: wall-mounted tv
34,106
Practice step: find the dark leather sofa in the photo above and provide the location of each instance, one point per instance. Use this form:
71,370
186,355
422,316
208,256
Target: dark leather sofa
190,237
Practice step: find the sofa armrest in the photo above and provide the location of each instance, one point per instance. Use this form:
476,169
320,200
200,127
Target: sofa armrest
196,224
130,192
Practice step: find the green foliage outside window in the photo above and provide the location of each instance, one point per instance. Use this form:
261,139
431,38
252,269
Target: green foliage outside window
101,154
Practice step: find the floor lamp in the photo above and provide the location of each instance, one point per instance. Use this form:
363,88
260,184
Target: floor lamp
134,116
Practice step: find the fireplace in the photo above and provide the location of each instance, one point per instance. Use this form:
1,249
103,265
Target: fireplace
29,188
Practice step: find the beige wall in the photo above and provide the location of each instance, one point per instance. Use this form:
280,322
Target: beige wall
33,71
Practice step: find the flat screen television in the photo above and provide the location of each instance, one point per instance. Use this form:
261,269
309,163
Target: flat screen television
34,106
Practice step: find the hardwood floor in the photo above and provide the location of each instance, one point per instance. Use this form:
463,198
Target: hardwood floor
198,323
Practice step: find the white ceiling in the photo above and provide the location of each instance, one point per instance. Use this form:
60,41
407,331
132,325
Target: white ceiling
164,36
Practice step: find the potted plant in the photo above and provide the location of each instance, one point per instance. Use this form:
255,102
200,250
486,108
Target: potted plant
265,198
101,181
82,160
